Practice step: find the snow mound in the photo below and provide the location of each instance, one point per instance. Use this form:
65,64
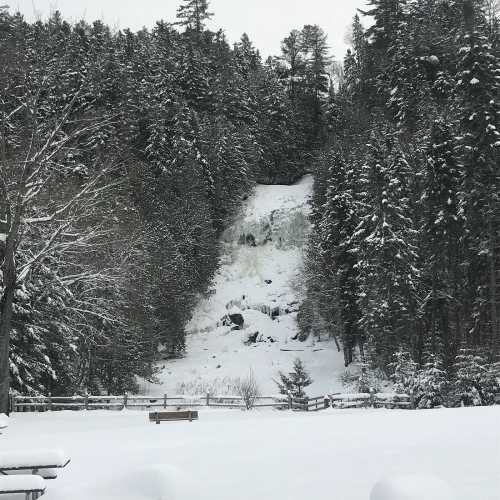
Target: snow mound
157,482
4,421
411,487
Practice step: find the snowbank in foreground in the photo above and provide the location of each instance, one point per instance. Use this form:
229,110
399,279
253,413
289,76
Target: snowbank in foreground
228,455
411,487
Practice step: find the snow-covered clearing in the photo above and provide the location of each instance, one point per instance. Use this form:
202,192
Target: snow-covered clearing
262,258
230,454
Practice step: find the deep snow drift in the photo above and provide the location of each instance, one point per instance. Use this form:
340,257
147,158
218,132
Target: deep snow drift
230,454
260,279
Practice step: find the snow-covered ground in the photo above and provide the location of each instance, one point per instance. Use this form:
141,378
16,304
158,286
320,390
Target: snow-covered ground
230,454
260,275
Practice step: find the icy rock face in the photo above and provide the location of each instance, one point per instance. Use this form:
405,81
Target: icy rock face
262,257
411,487
279,217
284,230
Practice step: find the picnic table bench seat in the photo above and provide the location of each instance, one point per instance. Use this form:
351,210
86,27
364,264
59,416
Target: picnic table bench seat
31,486
43,463
172,416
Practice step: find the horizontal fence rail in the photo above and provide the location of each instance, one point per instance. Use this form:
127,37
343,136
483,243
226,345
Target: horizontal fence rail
127,401
372,400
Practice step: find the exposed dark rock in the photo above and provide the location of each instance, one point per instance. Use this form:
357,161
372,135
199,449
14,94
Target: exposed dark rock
237,319
252,339
250,240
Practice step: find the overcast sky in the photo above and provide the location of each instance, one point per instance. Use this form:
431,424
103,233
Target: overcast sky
266,21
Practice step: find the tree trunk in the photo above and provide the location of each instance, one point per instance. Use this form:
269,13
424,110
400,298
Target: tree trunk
493,288
6,303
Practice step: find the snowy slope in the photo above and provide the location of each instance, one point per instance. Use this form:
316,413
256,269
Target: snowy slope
262,258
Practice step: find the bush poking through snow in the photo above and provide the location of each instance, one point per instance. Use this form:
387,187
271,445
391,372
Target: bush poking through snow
248,390
223,386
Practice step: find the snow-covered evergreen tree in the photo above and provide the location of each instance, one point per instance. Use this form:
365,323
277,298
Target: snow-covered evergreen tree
296,381
193,14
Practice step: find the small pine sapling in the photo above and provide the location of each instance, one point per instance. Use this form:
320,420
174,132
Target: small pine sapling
296,381
432,383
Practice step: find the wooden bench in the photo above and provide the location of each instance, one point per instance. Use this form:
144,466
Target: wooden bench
42,463
172,416
32,487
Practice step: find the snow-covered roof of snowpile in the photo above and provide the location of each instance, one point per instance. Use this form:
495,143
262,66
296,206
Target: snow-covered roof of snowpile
33,459
4,421
11,484
411,487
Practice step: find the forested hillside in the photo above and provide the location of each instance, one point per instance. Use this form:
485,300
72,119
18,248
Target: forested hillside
122,158
405,255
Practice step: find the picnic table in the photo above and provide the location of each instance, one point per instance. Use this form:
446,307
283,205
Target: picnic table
43,463
32,486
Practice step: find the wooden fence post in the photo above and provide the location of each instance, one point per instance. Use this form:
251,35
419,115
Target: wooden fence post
86,400
12,403
208,399
125,401
164,401
326,402
412,399
290,402
372,397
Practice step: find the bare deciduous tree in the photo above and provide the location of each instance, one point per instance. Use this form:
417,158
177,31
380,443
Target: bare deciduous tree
34,149
248,390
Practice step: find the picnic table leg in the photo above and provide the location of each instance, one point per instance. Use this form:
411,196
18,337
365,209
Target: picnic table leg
157,418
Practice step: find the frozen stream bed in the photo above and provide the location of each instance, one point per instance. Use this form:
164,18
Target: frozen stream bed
259,279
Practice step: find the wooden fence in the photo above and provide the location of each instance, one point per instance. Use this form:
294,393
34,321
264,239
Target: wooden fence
373,400
87,402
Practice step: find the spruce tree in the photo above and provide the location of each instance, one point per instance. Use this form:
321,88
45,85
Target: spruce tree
388,260
193,14
296,381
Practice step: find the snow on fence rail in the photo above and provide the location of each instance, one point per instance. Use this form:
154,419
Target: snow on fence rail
373,400
127,401
88,402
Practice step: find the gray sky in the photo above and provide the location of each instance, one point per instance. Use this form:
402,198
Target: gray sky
266,21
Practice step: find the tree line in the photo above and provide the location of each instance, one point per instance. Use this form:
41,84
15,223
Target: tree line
123,156
404,260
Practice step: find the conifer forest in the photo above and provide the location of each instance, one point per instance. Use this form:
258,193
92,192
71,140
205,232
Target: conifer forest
124,156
